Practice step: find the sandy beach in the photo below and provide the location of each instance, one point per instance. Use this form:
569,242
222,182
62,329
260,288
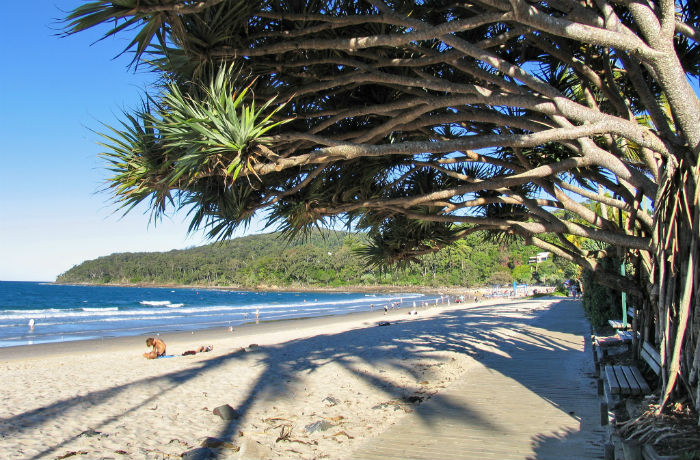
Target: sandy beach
309,388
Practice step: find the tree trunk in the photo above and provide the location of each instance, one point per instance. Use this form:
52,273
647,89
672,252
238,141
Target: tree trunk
677,234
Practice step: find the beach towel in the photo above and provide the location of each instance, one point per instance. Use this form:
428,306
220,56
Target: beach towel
165,356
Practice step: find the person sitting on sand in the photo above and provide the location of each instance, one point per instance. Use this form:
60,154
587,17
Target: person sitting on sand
200,349
158,348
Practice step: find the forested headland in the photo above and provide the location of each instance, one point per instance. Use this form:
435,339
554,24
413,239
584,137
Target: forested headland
322,260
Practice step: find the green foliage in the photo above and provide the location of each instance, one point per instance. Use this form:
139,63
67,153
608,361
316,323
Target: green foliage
560,289
191,151
547,272
601,303
522,274
500,277
324,259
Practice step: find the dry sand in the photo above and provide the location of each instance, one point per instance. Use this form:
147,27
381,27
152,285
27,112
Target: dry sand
346,376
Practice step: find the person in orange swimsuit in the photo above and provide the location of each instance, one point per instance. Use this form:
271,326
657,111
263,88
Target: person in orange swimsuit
158,348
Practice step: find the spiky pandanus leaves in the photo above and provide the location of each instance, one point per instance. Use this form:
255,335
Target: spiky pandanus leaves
220,208
331,187
396,239
139,163
176,142
123,15
191,54
401,241
217,133
503,210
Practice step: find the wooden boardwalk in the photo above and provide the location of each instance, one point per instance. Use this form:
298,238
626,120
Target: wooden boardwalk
532,395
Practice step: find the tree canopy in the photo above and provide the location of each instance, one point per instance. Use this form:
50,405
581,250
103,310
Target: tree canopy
423,122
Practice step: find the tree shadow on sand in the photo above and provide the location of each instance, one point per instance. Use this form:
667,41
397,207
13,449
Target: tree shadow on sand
484,332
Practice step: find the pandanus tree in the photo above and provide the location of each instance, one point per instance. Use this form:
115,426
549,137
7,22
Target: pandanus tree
422,122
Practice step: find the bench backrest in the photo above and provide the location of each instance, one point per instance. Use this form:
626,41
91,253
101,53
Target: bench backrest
651,357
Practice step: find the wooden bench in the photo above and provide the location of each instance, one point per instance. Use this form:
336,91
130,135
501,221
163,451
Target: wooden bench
617,324
601,344
618,381
651,357
626,336
625,380
628,380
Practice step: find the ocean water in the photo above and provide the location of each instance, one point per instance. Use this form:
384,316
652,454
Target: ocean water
65,312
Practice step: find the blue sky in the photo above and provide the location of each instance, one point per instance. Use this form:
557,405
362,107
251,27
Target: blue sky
54,91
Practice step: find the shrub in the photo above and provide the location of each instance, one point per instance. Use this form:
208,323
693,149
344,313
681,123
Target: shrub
601,303
560,288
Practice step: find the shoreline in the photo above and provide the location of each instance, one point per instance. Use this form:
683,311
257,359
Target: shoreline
176,338
183,325
81,339
220,333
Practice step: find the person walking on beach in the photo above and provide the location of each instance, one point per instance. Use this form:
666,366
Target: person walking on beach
158,348
386,309
576,289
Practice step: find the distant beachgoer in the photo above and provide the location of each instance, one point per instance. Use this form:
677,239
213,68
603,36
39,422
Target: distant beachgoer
386,309
371,307
200,349
576,289
31,325
158,348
